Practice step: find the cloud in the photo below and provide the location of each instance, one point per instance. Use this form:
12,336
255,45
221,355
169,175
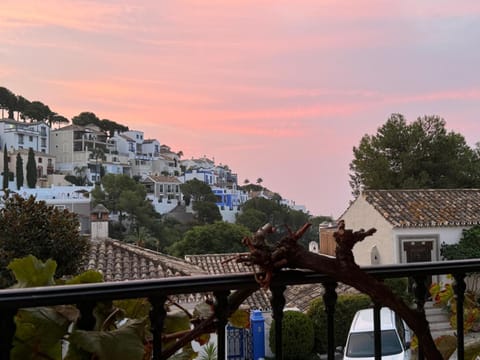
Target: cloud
81,15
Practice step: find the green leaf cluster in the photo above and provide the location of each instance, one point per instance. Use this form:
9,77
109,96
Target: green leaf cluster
31,169
89,118
412,156
203,201
297,336
345,308
30,227
258,211
467,248
219,237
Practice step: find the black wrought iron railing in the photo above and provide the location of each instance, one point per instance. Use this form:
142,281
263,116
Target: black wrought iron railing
85,297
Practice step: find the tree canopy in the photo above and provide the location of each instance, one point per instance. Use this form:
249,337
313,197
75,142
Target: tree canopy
31,169
258,211
5,173
467,248
422,154
31,227
121,193
204,201
89,118
19,171
217,238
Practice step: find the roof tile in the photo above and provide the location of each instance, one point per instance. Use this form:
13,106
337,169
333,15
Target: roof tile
427,207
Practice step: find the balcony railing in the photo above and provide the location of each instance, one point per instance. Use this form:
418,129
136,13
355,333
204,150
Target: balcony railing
85,296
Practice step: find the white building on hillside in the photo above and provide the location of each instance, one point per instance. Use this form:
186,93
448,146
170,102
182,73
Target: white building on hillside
22,135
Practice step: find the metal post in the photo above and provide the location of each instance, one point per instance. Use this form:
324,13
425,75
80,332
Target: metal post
330,299
459,288
278,303
7,332
221,312
377,331
420,292
157,317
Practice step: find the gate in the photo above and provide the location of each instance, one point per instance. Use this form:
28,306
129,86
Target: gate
239,343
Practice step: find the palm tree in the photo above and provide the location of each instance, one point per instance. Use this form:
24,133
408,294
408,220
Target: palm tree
80,172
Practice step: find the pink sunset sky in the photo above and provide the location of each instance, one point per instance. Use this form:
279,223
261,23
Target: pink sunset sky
280,90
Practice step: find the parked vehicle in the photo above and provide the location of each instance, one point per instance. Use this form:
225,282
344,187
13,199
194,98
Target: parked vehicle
395,336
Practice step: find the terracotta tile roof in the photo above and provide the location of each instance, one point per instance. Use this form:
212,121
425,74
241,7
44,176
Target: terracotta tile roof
427,208
119,261
162,179
215,264
299,296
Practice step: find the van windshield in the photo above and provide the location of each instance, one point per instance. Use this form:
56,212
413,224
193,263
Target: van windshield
361,344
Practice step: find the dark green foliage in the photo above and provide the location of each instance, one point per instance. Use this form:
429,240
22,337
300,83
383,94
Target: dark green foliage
258,211
38,111
253,219
74,180
5,173
399,287
25,109
31,169
8,101
88,118
123,194
206,212
467,248
297,336
220,237
345,309
31,227
413,156
204,201
198,191
19,171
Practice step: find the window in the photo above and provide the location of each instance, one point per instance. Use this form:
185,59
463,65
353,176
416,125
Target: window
30,138
40,160
20,138
361,344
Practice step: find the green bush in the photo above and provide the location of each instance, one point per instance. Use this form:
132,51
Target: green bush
345,309
399,287
297,336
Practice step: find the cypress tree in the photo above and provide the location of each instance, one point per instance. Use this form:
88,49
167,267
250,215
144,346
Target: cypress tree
6,172
19,171
31,169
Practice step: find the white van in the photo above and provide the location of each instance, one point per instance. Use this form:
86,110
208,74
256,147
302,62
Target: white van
395,336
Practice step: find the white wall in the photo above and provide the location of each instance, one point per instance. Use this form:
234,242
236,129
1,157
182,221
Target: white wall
361,215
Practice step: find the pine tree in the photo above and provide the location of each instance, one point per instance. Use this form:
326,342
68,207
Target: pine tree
31,169
6,172
19,171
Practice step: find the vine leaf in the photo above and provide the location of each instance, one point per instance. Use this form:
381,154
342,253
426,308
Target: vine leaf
39,331
87,277
240,318
30,272
125,343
